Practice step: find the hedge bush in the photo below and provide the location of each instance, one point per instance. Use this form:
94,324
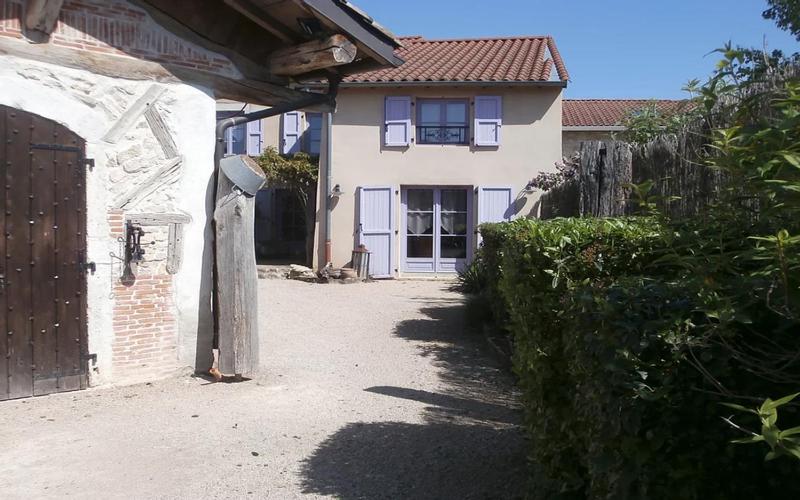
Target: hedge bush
607,326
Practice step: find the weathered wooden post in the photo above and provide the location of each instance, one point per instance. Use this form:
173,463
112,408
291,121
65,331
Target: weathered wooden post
239,180
604,175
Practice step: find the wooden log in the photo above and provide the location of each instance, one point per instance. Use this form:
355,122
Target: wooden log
237,280
314,55
589,178
42,15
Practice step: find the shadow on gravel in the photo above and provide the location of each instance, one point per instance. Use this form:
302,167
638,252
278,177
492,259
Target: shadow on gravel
471,444
401,460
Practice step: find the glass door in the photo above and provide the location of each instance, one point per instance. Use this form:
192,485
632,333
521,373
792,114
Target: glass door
420,230
437,225
453,223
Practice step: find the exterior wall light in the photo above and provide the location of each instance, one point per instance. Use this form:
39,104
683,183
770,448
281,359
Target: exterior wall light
336,192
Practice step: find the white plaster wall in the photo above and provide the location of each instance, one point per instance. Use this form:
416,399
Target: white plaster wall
89,105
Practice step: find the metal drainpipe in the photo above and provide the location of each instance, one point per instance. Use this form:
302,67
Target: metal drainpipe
327,187
219,152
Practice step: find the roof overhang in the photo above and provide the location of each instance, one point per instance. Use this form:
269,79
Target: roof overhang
455,83
248,32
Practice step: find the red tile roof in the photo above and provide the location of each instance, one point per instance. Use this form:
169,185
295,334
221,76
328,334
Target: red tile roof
609,112
510,59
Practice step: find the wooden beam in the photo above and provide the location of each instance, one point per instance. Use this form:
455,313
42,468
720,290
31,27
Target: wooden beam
237,280
251,11
114,66
168,173
336,50
42,15
148,219
134,112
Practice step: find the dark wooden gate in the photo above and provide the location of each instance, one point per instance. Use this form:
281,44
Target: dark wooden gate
42,249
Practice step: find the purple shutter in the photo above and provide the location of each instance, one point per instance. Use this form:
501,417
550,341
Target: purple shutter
291,133
495,204
254,141
376,228
398,121
488,120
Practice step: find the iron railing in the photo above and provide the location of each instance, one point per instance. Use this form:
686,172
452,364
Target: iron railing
443,134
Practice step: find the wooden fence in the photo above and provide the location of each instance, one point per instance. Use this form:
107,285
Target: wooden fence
602,185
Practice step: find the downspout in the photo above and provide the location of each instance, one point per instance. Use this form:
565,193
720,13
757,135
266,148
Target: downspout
219,151
326,188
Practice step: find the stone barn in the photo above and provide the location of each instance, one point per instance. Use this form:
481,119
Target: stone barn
107,120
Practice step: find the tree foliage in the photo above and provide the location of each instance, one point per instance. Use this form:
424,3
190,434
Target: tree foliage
299,173
786,14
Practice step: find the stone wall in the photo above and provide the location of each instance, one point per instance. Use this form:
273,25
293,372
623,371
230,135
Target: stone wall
157,322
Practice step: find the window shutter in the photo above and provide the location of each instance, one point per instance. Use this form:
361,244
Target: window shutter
488,120
291,133
495,204
398,121
254,140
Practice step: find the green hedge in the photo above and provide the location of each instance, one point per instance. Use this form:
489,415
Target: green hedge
605,336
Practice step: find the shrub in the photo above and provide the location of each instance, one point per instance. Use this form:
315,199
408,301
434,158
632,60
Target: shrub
472,279
611,334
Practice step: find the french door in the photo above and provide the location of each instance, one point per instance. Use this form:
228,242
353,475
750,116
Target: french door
436,223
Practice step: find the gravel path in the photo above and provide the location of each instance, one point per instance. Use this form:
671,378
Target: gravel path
369,391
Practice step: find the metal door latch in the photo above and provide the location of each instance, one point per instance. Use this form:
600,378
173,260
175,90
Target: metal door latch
88,266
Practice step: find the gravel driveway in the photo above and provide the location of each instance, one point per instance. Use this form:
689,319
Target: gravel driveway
369,391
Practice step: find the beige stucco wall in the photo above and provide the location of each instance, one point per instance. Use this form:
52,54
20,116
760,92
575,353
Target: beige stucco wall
531,143
572,139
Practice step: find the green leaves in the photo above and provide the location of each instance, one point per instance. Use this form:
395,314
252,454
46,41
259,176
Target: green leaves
781,443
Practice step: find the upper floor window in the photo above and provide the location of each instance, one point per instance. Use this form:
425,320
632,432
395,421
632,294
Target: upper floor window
301,133
442,121
242,139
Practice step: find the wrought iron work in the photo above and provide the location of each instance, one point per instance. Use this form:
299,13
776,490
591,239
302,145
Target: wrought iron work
443,134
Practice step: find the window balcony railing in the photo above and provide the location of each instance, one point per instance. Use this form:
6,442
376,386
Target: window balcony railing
443,134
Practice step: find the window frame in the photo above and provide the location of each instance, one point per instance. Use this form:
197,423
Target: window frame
443,103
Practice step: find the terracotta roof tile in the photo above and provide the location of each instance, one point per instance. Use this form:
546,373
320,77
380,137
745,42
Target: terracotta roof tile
609,112
507,59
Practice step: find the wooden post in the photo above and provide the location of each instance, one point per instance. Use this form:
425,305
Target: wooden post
311,56
237,279
42,15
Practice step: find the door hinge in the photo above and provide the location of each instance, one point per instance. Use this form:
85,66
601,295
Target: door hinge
89,163
90,357
88,267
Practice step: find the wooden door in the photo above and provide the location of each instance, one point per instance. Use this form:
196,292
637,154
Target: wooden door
42,249
376,228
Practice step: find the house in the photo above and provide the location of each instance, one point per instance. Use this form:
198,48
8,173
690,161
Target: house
107,117
421,154
599,119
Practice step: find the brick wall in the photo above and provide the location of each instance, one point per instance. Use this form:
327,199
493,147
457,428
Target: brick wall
117,27
144,321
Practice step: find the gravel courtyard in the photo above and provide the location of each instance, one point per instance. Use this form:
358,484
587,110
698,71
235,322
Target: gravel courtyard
369,391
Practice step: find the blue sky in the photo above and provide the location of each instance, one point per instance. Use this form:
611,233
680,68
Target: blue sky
612,48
